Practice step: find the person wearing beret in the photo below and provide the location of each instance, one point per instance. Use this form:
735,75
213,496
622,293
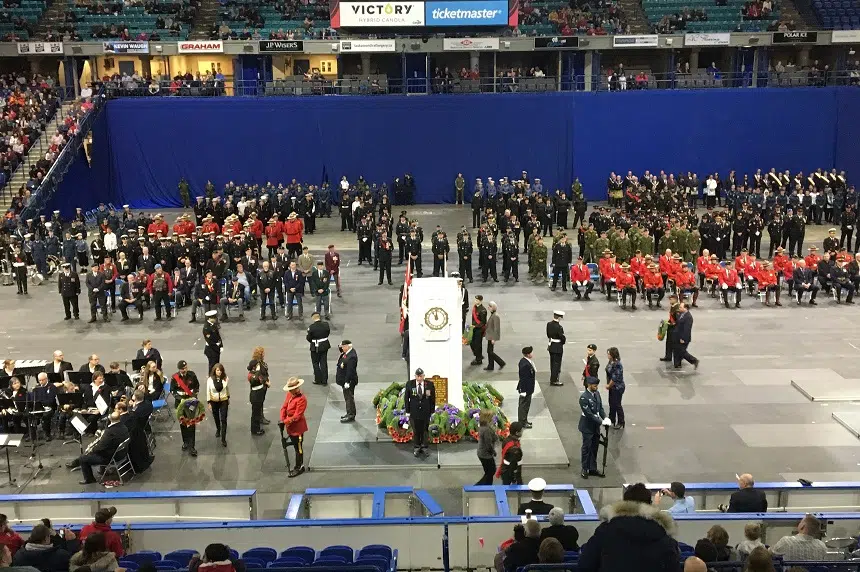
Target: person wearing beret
347,378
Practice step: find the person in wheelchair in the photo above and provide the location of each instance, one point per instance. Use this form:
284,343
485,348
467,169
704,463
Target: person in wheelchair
235,295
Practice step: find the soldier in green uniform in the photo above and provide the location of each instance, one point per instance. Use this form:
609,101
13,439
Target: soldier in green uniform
682,242
667,242
459,188
645,242
590,240
184,193
694,243
537,261
600,245
622,248
210,190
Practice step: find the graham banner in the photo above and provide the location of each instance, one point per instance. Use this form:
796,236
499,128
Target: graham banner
200,47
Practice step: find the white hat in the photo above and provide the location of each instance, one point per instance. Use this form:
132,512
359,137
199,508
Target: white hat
537,485
125,206
293,383
559,313
211,313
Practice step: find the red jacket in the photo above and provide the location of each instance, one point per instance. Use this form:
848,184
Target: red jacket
211,227
702,264
235,227
712,272
766,278
652,279
741,263
674,268
685,279
166,277
158,227
580,273
274,233
332,265
624,279
638,265
293,414
256,229
812,261
753,269
112,538
779,262
729,277
11,539
294,229
611,271
665,263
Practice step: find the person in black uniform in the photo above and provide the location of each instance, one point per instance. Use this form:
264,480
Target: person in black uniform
103,450
489,254
130,294
464,254
258,378
537,506
317,337
401,229
591,418
212,337
364,234
592,364
556,338
413,251
186,385
347,378
525,386
384,257
69,286
96,293
420,404
562,256
479,326
440,249
45,398
267,286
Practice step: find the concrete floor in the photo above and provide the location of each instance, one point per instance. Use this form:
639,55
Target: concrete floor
737,413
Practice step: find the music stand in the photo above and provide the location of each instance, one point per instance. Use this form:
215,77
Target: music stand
5,382
74,400
55,378
136,364
7,441
79,377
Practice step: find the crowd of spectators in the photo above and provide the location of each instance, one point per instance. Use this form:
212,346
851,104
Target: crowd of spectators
173,18
588,17
240,21
670,23
757,9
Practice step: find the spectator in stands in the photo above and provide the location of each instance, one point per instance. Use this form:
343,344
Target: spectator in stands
705,550
101,523
719,536
523,551
8,537
94,555
633,536
806,545
760,560
550,552
695,564
748,498
751,541
678,492
567,536
39,552
216,558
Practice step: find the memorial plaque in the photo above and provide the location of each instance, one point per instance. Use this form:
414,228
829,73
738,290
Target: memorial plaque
441,385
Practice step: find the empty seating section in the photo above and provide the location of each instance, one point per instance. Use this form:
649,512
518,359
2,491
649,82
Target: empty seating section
726,18
838,14
271,20
163,19
18,19
375,557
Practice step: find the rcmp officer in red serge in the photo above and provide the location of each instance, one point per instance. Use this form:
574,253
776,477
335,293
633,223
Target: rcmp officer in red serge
420,404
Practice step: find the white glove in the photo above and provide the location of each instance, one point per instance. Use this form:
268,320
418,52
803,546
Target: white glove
739,285
606,422
522,394
346,386
725,286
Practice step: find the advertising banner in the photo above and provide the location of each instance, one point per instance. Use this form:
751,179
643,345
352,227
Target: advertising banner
846,37
200,47
282,46
704,39
40,48
645,41
556,43
368,46
125,47
795,37
471,13
470,44
378,14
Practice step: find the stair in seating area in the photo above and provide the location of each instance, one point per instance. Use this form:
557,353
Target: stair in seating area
207,15
636,17
51,18
36,152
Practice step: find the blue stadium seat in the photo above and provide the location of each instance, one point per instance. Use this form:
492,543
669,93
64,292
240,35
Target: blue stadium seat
255,565
167,565
344,552
379,562
376,550
128,564
255,562
234,554
331,562
182,556
289,563
143,557
304,553
262,553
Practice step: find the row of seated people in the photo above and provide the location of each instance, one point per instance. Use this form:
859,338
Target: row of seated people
124,21
835,273
18,18
589,17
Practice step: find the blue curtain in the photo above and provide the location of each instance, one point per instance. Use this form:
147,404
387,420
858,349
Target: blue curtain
143,146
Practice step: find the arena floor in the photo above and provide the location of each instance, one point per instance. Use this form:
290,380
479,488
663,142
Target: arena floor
737,413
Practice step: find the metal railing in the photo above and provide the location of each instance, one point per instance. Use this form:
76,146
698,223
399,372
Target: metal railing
40,196
380,85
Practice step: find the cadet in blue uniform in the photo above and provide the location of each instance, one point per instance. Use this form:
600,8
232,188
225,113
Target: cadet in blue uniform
590,420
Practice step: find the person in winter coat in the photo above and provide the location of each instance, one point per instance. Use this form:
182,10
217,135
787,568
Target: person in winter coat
94,555
633,536
40,552
101,523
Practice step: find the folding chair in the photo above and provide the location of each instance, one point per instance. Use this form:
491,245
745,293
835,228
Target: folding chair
121,463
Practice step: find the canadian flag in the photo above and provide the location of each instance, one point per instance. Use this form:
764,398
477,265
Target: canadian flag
404,298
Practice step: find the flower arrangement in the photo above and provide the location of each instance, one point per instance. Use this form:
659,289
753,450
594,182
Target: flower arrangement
448,424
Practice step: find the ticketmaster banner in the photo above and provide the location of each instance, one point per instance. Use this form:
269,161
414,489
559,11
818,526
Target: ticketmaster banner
469,13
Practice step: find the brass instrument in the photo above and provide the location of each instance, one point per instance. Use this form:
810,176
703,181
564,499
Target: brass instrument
90,447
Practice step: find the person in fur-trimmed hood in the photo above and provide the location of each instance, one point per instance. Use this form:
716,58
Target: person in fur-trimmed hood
634,535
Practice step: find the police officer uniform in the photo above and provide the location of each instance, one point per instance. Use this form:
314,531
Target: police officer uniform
317,337
591,418
420,404
556,338
69,286
212,337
